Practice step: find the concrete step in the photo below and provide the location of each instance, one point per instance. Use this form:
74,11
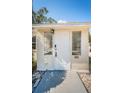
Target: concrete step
80,66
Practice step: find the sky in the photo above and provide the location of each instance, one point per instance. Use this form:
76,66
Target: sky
66,10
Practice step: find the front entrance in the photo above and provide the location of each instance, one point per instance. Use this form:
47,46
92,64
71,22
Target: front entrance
62,50
53,51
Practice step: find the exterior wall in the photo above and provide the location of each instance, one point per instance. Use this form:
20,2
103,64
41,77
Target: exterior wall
64,60
40,47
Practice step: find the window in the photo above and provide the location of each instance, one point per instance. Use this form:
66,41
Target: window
76,43
34,42
48,43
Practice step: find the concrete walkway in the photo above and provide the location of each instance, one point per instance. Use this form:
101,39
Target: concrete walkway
60,82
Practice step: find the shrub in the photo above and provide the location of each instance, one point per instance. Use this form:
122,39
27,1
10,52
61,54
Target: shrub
34,63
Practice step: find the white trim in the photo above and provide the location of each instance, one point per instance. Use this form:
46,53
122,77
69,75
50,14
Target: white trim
61,25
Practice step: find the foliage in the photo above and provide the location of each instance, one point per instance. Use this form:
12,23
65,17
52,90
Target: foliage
40,17
34,63
89,36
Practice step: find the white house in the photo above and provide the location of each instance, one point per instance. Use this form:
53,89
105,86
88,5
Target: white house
62,46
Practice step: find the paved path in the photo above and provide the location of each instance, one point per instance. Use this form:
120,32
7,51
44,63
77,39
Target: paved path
60,82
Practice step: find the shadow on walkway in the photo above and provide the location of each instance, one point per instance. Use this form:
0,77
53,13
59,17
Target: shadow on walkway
51,79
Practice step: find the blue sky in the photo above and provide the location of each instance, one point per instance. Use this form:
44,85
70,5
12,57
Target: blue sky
67,10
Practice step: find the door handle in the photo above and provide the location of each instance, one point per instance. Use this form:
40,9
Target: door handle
55,50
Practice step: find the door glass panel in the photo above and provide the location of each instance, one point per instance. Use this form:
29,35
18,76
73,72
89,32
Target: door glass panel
76,43
48,43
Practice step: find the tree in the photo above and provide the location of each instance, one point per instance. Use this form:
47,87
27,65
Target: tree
40,17
51,20
43,11
33,17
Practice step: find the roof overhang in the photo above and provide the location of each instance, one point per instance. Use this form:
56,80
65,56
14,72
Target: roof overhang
46,27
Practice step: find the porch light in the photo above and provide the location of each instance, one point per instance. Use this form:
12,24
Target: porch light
52,30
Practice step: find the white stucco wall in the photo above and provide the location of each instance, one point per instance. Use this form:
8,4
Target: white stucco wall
63,40
40,48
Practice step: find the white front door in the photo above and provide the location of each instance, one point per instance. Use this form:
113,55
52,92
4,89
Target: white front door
62,50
